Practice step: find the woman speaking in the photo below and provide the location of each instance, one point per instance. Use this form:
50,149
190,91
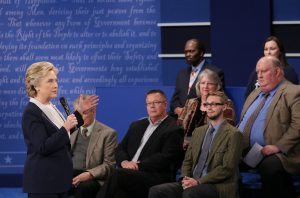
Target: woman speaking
48,167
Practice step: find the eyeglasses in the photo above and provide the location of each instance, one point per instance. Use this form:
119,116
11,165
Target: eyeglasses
213,104
155,103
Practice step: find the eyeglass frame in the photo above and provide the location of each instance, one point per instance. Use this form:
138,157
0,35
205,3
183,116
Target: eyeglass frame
155,103
213,104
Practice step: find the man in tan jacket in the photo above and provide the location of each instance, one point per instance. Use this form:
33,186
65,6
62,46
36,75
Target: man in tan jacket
210,167
93,148
276,128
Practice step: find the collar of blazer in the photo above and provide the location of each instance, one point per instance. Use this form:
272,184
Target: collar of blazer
274,102
253,95
94,136
218,139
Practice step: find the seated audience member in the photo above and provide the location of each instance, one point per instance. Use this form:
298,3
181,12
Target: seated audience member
93,147
210,166
194,111
146,153
273,47
271,118
186,79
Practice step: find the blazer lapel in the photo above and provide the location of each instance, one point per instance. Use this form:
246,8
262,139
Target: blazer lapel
95,135
273,104
218,140
198,144
155,134
74,137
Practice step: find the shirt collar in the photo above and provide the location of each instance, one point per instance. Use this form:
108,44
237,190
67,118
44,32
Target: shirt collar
273,92
216,127
158,121
200,65
89,128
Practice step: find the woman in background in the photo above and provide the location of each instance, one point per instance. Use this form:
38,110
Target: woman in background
273,47
48,167
194,111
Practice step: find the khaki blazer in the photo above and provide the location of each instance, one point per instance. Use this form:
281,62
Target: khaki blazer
223,159
100,157
282,126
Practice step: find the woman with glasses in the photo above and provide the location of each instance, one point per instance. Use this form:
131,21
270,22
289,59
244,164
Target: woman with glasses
194,111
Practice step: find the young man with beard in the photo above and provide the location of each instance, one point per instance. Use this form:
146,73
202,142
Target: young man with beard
210,167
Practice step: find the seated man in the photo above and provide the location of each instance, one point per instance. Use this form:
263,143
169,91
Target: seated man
93,147
146,153
210,166
271,118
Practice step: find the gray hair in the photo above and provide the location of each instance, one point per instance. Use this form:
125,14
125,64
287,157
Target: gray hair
211,75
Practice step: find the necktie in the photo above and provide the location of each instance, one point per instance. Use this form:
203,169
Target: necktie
192,79
204,153
84,132
250,122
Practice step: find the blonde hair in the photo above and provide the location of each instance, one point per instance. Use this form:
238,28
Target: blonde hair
220,94
35,73
211,75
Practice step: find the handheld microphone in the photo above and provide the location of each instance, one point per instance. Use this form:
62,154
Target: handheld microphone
64,103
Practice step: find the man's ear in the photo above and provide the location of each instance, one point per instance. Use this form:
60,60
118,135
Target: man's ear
224,107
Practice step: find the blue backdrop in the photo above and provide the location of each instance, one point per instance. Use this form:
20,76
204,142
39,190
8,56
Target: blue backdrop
93,43
112,44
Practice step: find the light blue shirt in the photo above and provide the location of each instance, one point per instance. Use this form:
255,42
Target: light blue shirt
256,134
198,68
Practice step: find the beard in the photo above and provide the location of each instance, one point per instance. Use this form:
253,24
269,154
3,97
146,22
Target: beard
215,117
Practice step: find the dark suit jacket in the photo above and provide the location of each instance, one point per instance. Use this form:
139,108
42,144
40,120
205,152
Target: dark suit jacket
48,166
282,125
182,83
223,159
163,148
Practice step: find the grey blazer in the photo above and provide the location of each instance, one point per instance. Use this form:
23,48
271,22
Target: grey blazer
100,157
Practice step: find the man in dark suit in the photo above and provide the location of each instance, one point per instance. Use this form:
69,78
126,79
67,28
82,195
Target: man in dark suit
210,166
276,127
146,154
93,148
186,79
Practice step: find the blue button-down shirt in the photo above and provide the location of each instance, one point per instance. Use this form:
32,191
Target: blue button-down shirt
256,134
